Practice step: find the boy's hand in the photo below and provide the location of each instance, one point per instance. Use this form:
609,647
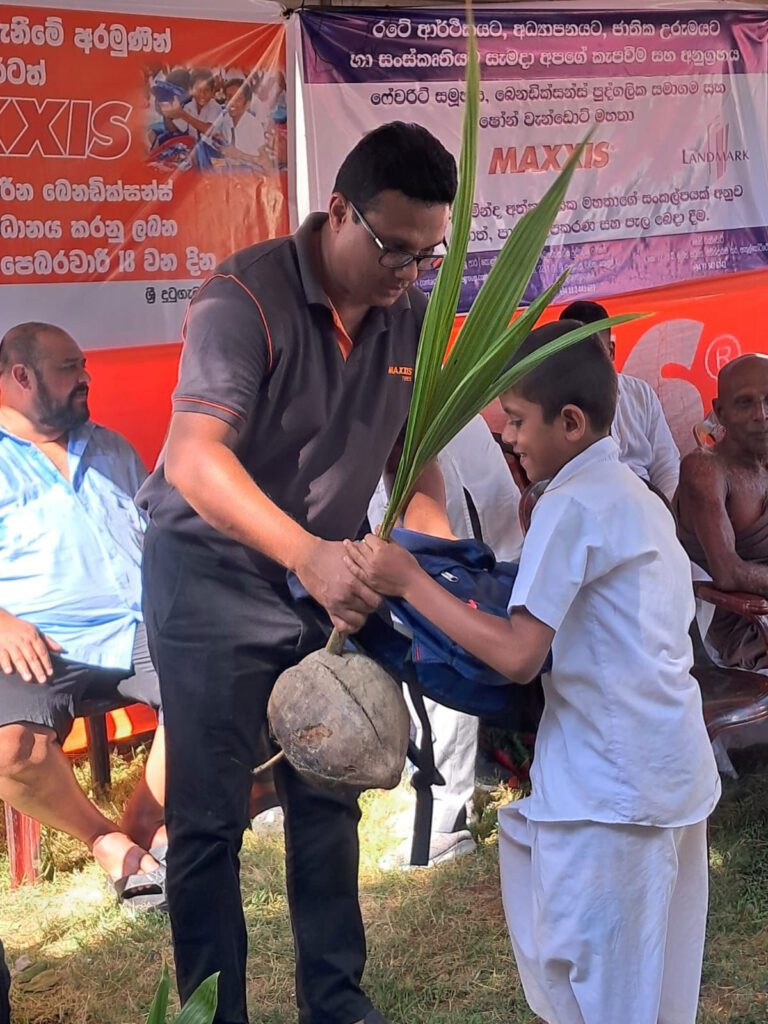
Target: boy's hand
383,565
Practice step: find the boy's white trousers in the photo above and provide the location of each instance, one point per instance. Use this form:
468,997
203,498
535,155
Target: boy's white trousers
607,921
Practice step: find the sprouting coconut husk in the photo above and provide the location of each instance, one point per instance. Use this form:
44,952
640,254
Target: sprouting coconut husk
341,718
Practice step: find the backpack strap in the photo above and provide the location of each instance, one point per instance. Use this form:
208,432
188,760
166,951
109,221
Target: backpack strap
423,779
474,517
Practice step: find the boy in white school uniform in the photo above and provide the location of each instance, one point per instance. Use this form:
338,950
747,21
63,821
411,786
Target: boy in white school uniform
201,112
604,866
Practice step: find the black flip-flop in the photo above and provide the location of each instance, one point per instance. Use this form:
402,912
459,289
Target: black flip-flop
145,890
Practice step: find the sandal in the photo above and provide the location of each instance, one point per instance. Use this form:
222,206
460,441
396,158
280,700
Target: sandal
144,890
159,852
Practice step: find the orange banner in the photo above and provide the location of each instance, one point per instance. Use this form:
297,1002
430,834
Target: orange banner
689,333
692,331
128,167
679,349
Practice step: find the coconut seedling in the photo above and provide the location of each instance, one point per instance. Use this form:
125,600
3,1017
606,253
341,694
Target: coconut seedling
200,1008
339,716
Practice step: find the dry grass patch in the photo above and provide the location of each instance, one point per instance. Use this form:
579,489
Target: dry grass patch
439,952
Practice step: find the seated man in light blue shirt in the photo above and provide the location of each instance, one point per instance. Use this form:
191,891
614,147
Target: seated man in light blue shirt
71,627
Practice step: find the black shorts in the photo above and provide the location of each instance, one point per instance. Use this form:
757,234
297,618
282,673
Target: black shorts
56,703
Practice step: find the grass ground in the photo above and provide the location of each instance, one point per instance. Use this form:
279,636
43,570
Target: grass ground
438,945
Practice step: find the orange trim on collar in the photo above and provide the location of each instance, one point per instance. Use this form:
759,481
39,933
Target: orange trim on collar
343,339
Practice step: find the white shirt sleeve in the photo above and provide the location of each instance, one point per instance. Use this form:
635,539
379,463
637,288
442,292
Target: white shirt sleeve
554,561
211,112
378,504
221,128
664,470
474,461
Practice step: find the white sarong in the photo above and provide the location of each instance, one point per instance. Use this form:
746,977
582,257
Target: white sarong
607,921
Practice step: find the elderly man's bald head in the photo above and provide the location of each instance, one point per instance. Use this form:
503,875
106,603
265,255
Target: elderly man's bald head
739,372
742,405
25,343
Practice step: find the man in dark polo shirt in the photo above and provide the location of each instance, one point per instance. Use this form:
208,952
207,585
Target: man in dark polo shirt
295,381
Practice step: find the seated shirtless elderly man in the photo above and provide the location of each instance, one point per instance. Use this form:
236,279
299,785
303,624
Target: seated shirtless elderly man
722,506
70,602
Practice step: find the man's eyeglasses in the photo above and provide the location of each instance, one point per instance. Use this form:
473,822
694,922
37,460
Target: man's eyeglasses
396,259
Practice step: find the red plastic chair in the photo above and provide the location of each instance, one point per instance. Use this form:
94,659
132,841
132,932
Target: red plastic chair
732,697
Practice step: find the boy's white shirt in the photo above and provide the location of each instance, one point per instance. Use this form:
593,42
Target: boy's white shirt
622,738
642,433
247,135
211,112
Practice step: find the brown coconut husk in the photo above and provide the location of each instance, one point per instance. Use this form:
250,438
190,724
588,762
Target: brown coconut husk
341,718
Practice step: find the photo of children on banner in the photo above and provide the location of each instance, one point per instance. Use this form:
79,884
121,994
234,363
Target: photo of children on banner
218,120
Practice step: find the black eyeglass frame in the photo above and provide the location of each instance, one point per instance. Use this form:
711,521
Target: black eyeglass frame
423,263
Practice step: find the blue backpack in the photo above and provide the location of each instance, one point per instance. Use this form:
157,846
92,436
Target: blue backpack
444,671
430,663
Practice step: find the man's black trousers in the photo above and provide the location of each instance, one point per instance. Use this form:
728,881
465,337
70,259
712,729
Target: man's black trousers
220,636
5,986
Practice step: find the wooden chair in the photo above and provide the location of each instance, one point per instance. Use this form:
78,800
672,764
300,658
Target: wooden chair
731,697
22,832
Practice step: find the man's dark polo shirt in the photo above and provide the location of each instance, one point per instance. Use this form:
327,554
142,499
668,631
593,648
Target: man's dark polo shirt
264,352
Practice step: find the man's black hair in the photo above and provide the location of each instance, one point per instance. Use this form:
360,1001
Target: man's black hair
581,375
585,311
402,157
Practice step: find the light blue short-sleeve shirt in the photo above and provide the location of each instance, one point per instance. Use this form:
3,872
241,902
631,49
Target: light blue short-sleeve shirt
70,550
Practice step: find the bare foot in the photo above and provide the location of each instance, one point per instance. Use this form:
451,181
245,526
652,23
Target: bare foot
159,838
147,835
143,819
118,856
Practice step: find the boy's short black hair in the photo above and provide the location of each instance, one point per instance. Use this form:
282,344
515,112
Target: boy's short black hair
242,87
399,157
585,311
582,375
202,75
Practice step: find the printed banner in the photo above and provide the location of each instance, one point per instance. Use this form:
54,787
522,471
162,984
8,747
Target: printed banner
135,153
672,184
